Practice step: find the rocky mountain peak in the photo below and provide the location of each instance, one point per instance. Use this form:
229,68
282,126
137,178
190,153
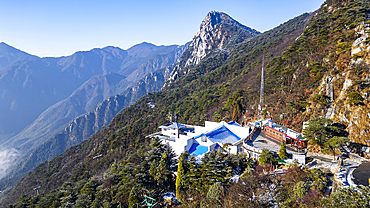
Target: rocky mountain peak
213,18
218,31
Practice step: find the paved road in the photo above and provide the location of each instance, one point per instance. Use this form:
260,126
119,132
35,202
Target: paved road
362,174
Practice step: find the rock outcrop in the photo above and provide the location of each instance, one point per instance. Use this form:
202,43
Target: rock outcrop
218,31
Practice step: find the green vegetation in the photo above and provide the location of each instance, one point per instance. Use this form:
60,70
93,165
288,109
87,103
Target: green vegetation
127,185
319,98
282,152
316,70
318,131
336,142
267,157
343,47
354,98
214,89
180,178
348,197
322,132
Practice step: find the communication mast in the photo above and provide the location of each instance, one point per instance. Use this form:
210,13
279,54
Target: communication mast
170,117
260,106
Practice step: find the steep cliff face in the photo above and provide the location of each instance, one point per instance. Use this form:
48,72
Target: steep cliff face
326,72
218,32
352,105
196,100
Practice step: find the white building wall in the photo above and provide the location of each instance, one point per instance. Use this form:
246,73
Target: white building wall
207,143
233,149
184,142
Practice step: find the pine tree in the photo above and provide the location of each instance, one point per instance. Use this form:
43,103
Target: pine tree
157,151
215,192
214,169
153,171
163,175
192,175
133,199
319,130
335,143
214,196
282,152
142,176
266,157
180,178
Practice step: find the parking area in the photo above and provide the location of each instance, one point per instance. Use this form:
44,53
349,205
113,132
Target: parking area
259,140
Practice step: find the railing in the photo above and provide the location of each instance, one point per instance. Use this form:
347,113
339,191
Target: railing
253,149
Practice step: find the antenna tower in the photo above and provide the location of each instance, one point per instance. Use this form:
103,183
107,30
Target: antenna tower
262,80
170,117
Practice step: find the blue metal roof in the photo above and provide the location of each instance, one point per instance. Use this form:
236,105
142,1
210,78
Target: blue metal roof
176,126
234,123
221,135
173,126
198,149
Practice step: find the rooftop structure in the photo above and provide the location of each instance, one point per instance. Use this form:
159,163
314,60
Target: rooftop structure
280,133
201,139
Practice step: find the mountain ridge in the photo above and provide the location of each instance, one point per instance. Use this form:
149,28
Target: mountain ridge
65,84
218,31
135,122
9,54
81,127
302,58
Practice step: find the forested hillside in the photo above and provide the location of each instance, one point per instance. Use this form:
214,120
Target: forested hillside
322,74
195,98
308,60
82,127
40,95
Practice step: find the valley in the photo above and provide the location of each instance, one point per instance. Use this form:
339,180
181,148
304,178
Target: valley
103,151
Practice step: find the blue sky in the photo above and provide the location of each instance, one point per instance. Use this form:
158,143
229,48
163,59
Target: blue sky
62,27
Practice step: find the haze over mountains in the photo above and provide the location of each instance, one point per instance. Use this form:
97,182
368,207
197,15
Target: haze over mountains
39,95
308,73
218,36
118,70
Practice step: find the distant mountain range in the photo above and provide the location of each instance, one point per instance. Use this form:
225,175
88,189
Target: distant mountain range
9,54
315,67
40,95
219,37
49,135
81,127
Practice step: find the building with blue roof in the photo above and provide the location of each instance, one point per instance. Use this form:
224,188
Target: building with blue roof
220,135
201,139
234,123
